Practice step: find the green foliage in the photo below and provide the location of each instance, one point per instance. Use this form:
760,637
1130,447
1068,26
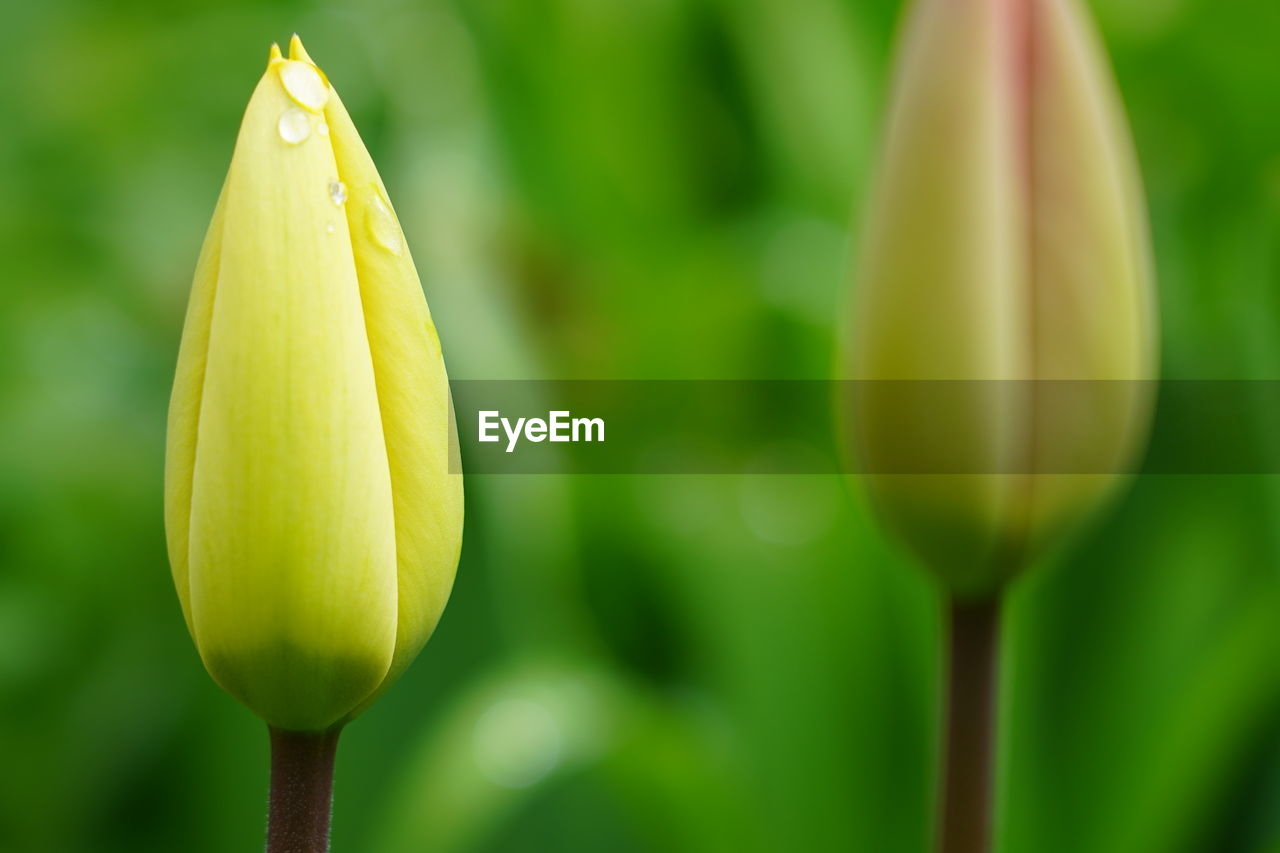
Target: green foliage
597,189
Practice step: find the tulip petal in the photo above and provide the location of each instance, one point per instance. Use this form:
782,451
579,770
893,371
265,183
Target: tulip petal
293,589
1094,303
184,407
942,291
1005,241
413,391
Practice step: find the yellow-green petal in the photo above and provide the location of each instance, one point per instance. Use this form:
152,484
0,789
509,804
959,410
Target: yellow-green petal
413,392
184,408
1005,241
293,589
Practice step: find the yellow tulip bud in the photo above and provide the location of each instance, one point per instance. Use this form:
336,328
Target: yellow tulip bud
313,523
1004,246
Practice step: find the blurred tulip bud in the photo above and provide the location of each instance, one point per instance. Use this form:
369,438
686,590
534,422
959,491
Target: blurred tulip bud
313,523
1005,246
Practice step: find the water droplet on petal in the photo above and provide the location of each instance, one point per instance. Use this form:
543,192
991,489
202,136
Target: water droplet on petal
322,128
382,224
295,126
304,84
329,228
337,192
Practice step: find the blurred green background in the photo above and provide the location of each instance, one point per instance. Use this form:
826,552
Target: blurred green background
608,189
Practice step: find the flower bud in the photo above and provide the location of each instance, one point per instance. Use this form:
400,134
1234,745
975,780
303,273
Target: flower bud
313,523
1005,247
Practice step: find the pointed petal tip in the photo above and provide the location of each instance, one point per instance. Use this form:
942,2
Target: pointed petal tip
274,55
297,51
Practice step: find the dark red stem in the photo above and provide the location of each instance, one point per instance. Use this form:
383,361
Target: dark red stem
969,727
301,798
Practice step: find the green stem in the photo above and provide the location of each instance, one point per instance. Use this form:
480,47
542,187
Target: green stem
969,727
301,798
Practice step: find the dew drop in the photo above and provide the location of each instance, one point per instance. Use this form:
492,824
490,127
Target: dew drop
304,84
322,128
382,224
337,192
295,126
329,228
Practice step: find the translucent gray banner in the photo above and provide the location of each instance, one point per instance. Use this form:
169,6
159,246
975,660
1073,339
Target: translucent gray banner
870,427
